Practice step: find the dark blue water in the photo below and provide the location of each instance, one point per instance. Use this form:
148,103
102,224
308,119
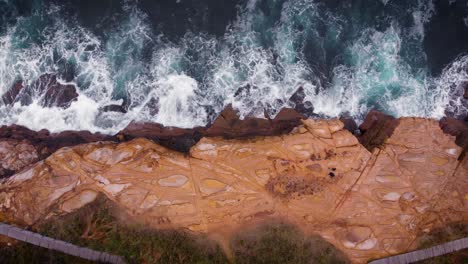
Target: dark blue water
180,62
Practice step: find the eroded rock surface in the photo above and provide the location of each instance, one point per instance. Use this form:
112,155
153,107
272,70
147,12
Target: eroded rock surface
319,177
15,155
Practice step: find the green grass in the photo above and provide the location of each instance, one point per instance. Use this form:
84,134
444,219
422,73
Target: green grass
96,227
282,243
442,235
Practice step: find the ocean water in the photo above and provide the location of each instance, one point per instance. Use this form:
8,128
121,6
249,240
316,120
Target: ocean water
179,63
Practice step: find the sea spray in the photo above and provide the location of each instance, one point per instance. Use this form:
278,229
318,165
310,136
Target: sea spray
348,57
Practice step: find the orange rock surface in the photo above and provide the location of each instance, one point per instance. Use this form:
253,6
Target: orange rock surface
318,177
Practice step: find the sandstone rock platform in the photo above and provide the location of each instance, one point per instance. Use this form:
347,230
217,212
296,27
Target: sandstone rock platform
318,177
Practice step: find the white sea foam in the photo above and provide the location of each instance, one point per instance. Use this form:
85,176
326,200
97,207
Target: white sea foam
256,66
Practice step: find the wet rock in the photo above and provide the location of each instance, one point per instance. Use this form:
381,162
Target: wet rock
114,108
465,87
350,124
46,88
46,143
376,128
175,138
58,95
228,124
457,128
9,97
304,107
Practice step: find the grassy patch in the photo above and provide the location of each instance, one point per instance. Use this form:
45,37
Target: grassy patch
282,243
95,226
442,235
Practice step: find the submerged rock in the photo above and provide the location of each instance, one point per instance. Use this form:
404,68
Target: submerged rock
10,96
46,89
114,108
318,176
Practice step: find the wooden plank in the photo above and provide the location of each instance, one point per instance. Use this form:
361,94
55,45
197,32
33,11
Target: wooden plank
62,246
423,254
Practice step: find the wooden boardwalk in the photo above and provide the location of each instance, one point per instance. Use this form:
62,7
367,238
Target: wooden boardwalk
423,254
50,243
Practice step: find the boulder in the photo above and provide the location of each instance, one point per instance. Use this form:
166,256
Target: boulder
350,124
465,94
9,97
180,139
457,128
376,128
297,99
114,108
46,88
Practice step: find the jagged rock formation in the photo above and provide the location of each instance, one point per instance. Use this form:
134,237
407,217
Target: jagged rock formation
319,177
46,88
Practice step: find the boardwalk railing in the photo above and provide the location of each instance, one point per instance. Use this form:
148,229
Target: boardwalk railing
423,254
50,243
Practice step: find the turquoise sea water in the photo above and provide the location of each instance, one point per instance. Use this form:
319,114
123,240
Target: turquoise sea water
180,63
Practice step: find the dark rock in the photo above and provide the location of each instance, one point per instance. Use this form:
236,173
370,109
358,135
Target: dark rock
153,106
10,96
465,94
457,128
5,173
49,91
350,124
47,143
228,124
297,99
376,128
179,139
114,108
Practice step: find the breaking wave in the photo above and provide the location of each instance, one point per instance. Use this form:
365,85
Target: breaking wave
182,70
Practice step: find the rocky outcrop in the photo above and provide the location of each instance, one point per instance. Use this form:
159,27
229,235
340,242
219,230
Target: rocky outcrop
46,89
457,128
318,177
179,139
227,125
376,128
10,96
15,155
300,105
465,87
45,142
